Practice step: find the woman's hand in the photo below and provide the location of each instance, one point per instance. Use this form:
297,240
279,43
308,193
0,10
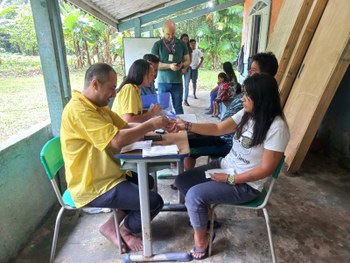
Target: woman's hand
171,127
219,177
181,124
160,122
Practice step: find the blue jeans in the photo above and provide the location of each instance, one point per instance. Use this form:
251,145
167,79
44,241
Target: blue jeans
201,192
125,196
175,90
187,77
213,96
194,77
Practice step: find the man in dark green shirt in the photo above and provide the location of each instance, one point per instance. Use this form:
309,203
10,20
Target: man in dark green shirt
173,56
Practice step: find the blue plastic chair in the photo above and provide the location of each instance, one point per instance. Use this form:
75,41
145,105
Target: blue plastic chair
259,203
52,160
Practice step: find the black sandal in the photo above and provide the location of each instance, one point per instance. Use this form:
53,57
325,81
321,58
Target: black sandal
173,186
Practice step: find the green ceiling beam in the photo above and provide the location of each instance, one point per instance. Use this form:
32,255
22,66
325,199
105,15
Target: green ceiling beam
194,14
159,14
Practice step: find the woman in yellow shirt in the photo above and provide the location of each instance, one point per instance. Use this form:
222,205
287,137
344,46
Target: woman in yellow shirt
128,103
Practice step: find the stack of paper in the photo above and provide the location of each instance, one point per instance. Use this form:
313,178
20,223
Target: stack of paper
139,145
219,170
160,150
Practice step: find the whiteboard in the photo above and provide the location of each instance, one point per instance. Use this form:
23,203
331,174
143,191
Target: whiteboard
135,48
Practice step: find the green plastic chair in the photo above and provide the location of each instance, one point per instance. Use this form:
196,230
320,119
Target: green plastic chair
257,204
52,160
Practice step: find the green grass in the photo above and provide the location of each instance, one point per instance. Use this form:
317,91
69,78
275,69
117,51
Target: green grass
12,64
207,79
23,96
23,104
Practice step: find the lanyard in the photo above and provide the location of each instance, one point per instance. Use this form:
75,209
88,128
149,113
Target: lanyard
167,47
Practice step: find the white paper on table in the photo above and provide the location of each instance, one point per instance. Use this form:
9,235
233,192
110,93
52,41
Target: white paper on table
159,150
219,170
139,145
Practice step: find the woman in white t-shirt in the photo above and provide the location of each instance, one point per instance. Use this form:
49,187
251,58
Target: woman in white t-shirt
261,137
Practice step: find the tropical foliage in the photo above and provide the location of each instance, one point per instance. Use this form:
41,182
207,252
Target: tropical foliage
90,40
17,32
218,34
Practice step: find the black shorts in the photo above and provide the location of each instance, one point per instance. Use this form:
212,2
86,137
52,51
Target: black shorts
202,145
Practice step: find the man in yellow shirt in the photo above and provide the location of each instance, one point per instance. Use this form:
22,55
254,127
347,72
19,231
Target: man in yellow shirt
90,134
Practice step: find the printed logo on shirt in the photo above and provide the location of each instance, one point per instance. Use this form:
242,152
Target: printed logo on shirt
243,143
239,157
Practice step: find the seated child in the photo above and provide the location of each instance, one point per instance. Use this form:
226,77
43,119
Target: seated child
223,88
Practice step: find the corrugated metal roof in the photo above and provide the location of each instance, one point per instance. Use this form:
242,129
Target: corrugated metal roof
115,12
125,14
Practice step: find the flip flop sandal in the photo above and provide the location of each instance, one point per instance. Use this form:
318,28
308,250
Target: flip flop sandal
173,187
201,251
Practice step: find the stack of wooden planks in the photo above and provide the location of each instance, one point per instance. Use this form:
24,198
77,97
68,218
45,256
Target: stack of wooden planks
311,43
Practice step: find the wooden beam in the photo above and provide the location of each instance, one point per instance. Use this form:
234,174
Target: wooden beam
323,68
287,30
291,66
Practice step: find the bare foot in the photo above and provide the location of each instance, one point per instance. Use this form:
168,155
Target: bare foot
133,242
108,231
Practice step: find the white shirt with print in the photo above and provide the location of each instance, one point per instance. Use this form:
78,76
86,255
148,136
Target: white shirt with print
242,158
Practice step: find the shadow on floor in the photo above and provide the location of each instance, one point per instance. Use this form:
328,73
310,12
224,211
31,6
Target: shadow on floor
309,214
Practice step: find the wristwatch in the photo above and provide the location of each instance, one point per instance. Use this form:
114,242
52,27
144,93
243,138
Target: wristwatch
230,179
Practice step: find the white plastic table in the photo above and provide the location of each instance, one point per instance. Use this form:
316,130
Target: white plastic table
180,139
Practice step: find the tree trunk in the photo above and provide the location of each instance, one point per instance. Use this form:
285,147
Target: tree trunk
108,58
86,47
19,49
100,56
79,62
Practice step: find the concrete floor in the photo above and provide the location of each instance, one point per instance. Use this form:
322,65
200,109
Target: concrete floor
309,214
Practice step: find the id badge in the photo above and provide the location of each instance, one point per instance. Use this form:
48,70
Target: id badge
171,57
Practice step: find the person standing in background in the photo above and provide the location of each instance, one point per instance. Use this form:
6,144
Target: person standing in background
154,61
196,62
186,71
173,56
